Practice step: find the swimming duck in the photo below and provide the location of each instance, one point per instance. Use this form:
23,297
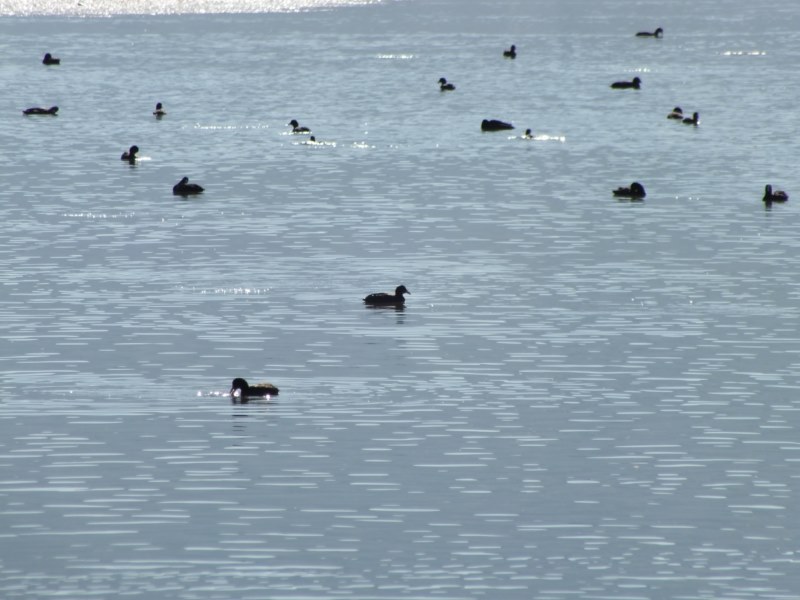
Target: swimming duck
384,299
242,390
623,85
130,154
693,120
636,191
184,188
776,196
159,111
511,52
495,125
657,33
296,127
40,111
677,113
50,60
444,86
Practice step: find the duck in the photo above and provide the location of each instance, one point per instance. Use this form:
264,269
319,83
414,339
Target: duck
656,34
635,84
184,188
495,125
693,120
636,191
40,111
384,299
444,86
243,390
130,154
776,196
49,59
677,113
159,111
511,52
296,127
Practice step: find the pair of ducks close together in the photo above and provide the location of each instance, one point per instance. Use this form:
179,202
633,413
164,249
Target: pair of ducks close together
677,115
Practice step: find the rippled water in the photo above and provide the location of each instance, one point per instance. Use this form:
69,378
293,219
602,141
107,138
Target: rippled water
583,397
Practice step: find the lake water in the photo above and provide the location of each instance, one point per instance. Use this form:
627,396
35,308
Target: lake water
583,398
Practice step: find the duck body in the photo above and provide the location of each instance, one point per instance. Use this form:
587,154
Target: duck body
130,154
159,111
184,188
296,128
656,34
242,390
49,59
635,191
53,110
677,113
776,196
495,125
384,299
511,52
634,84
693,120
445,86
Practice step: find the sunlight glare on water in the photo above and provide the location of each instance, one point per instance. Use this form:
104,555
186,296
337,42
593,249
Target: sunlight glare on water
107,8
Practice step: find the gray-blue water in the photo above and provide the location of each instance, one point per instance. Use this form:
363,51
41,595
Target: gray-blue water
583,398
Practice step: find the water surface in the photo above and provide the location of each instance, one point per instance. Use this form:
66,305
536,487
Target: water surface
583,397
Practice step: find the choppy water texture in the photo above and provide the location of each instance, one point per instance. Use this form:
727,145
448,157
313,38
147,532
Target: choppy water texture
583,398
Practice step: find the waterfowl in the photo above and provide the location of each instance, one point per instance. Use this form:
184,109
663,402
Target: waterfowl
657,33
444,86
636,191
693,120
159,111
635,84
49,59
40,111
296,127
511,52
184,188
776,196
677,113
130,154
243,390
495,125
384,299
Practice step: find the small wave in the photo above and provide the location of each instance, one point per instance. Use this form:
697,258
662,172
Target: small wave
227,127
396,56
315,143
541,137
242,291
744,53
93,216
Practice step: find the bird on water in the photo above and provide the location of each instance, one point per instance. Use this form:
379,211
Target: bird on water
242,390
384,299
